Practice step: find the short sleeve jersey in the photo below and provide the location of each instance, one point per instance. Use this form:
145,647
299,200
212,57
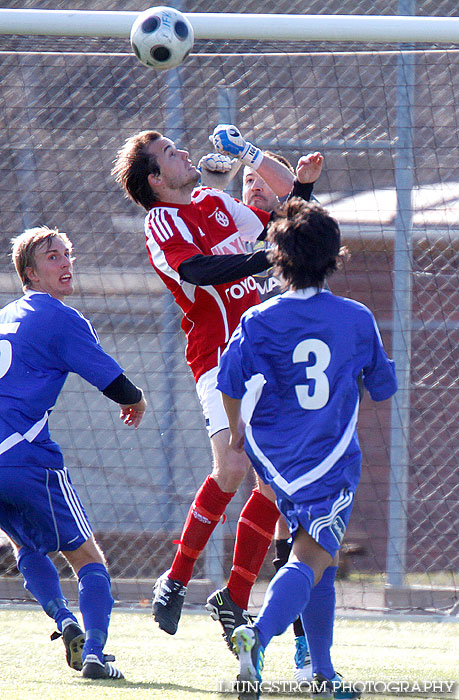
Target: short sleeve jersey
41,341
213,224
294,361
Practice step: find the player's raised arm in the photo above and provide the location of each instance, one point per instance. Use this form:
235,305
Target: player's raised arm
308,170
309,167
228,139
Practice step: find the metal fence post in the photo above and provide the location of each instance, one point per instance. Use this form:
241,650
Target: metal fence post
402,293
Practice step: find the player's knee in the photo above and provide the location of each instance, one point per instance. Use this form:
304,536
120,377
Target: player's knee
266,490
230,474
88,553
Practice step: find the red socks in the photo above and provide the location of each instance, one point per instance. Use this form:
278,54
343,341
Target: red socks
204,514
255,531
254,534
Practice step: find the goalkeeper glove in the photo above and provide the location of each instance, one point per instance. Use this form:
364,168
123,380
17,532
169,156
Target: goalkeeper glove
217,170
228,139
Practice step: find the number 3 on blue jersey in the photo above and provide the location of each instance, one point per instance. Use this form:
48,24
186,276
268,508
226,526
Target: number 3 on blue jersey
315,372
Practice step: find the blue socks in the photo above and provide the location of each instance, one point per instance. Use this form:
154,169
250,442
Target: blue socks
287,595
42,580
96,604
318,619
292,592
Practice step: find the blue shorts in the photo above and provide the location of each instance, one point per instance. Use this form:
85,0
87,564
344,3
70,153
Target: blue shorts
40,509
325,520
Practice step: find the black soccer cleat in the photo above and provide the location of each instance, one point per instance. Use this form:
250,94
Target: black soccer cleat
168,599
94,669
73,638
334,689
223,610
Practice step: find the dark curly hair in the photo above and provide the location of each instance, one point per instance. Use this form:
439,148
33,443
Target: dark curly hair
306,244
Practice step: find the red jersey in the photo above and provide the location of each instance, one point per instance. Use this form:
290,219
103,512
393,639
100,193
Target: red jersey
213,224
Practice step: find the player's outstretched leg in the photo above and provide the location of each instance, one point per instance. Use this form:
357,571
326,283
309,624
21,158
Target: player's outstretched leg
203,516
251,656
168,599
223,610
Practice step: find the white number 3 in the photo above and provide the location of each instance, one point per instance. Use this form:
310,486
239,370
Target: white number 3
6,355
314,395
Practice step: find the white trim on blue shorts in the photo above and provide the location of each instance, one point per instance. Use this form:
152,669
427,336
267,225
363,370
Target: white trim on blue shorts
74,506
342,502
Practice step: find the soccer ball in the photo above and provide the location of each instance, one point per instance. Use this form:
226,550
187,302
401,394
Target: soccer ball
162,37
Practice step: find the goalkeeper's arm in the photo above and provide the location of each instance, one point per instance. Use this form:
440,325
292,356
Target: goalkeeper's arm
308,170
303,190
277,176
228,140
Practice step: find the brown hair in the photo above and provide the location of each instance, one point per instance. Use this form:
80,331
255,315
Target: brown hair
132,166
23,248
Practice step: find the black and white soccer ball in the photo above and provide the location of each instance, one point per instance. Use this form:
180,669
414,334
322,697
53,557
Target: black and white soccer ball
162,37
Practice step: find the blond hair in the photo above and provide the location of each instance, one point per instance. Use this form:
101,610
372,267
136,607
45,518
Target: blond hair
23,248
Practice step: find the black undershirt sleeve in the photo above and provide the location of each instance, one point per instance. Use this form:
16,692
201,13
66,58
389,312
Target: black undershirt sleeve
220,269
122,390
302,190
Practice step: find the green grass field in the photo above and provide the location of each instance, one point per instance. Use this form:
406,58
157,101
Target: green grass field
188,665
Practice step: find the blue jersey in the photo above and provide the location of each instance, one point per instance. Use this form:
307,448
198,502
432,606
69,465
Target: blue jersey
41,341
294,361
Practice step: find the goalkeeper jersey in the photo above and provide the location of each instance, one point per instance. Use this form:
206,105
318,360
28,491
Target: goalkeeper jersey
294,361
213,224
41,341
